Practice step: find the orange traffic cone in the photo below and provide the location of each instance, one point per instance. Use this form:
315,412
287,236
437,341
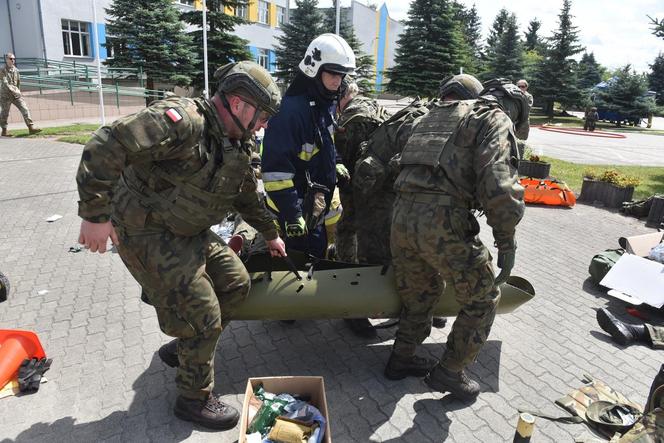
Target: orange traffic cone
16,346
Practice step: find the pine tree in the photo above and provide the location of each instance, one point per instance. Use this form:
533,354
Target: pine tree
589,72
656,78
149,34
533,41
430,48
505,57
658,27
626,94
303,27
556,76
471,27
223,46
366,71
497,28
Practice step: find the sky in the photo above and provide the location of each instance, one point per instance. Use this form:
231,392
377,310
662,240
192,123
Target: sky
616,31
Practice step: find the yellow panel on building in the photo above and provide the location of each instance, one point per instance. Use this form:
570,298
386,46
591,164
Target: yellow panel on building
273,15
198,4
253,11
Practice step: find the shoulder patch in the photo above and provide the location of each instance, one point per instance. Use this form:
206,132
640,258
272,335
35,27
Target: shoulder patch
174,115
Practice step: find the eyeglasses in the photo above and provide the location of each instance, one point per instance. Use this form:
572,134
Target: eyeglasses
522,86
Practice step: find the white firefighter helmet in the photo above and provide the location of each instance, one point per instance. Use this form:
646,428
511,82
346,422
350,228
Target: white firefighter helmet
330,52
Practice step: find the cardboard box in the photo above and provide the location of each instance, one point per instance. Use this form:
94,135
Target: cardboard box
641,244
313,387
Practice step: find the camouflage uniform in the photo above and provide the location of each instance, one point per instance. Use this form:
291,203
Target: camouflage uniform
10,94
164,176
458,159
358,120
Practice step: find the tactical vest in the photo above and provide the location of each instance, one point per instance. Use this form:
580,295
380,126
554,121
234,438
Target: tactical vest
190,204
434,134
363,109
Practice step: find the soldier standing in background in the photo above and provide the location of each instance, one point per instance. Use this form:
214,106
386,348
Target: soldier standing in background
10,94
460,157
523,85
180,166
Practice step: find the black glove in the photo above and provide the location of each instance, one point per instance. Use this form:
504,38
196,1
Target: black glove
505,263
30,373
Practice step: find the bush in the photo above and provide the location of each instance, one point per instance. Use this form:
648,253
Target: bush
612,176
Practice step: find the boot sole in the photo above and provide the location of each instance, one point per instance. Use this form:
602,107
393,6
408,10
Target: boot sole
608,326
212,424
443,388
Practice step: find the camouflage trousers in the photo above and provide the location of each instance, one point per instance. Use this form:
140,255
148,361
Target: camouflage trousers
373,220
346,241
432,245
194,283
656,334
6,102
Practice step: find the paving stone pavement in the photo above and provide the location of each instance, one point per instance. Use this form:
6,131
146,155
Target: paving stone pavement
107,384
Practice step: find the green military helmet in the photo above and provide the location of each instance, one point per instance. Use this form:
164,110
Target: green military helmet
251,81
615,417
465,86
512,100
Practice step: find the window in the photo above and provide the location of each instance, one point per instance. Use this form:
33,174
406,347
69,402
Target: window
263,58
185,2
241,11
281,15
110,46
263,12
76,38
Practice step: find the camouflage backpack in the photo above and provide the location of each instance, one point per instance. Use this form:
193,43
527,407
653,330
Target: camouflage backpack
376,169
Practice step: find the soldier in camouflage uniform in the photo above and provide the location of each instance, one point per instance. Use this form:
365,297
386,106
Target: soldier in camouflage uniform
155,182
459,158
359,117
627,333
10,94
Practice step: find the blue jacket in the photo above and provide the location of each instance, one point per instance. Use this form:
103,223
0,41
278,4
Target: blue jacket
298,139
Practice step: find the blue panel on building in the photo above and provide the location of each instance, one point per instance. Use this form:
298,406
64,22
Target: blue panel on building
382,41
272,60
101,32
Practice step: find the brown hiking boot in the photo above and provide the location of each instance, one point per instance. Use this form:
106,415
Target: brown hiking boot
211,413
169,353
4,133
32,129
456,383
399,368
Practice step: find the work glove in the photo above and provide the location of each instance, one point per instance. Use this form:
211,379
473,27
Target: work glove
298,228
342,171
505,263
30,373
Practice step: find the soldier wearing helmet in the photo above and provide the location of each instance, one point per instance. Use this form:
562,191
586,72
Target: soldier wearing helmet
154,182
458,159
300,163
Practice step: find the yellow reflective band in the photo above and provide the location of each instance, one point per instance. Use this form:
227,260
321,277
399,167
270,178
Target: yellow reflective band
278,185
271,205
308,151
332,220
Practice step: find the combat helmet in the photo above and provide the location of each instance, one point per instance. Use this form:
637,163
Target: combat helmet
463,85
613,417
512,100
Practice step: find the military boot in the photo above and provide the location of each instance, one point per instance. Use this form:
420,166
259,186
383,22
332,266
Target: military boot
169,353
398,368
211,413
439,322
32,129
4,133
456,383
362,327
622,333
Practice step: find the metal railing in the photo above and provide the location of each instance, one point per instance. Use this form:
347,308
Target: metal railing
40,67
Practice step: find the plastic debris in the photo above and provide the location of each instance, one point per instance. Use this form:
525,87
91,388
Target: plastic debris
53,218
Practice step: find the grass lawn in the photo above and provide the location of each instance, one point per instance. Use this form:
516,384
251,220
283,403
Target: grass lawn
79,129
652,177
81,139
538,118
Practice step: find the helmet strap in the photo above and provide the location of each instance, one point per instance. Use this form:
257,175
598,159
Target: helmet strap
246,132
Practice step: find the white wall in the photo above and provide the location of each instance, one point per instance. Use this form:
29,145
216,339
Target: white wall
25,26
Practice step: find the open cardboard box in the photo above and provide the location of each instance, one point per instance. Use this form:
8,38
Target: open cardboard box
641,244
313,387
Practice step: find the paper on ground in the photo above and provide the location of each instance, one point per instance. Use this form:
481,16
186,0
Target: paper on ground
638,277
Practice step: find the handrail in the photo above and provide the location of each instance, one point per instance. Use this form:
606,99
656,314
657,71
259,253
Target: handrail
57,68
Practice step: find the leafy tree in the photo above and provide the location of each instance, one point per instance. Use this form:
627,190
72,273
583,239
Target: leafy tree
533,41
365,72
531,63
656,78
303,27
505,58
556,76
223,46
430,48
149,34
626,94
589,72
471,27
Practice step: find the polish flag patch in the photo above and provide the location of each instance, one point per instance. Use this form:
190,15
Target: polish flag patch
174,115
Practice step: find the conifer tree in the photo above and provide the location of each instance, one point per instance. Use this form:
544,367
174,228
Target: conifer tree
656,78
533,41
223,46
505,58
471,27
365,72
497,28
304,26
556,76
430,48
626,94
657,27
149,34
589,72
